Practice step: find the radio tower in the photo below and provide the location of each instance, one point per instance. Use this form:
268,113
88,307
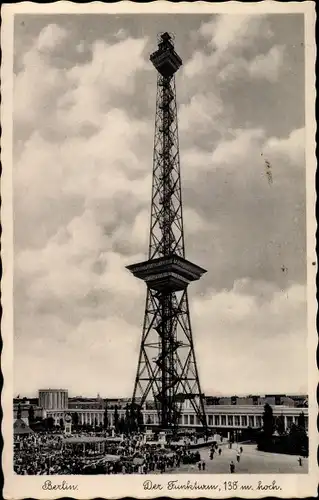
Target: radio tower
167,370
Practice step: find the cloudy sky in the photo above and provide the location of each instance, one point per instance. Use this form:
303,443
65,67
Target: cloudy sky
84,103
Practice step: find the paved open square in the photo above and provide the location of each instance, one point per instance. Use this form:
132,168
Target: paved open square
252,461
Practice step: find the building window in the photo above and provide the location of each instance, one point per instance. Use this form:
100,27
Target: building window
216,419
186,419
306,423
191,419
251,422
223,418
244,421
210,420
237,420
258,421
197,420
230,420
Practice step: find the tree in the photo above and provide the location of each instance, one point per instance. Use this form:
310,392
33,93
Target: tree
31,415
19,412
298,439
268,421
75,419
50,422
128,420
280,425
140,419
105,419
121,425
116,419
302,421
133,424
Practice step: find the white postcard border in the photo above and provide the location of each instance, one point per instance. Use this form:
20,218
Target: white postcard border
16,487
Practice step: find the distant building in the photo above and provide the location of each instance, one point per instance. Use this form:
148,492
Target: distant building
119,402
53,399
25,400
224,414
86,403
39,412
254,400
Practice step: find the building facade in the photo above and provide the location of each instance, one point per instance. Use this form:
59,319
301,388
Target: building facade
80,403
223,414
223,418
54,399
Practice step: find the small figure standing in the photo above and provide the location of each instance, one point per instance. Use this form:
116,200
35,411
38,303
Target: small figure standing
203,465
232,467
238,456
241,449
199,466
220,451
300,461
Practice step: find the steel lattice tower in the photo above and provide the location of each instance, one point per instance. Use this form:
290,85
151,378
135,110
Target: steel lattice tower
167,370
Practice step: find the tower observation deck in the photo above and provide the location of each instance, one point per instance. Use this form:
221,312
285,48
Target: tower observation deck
167,371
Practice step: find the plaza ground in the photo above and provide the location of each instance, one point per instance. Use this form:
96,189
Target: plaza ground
252,461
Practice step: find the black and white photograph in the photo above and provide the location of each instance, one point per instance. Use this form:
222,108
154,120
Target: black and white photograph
163,258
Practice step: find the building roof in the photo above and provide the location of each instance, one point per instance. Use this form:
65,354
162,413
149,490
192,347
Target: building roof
20,427
84,440
50,390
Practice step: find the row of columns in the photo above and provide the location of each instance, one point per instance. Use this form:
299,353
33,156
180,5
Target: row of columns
91,418
52,400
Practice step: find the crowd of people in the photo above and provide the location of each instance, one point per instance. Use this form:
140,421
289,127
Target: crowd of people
43,454
48,453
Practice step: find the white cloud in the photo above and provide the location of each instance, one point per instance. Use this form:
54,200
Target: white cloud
292,147
91,85
244,151
193,222
121,34
234,32
262,67
246,336
227,35
234,151
201,112
80,48
36,88
268,66
50,37
82,178
196,64
56,181
63,100
91,339
236,155
66,267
